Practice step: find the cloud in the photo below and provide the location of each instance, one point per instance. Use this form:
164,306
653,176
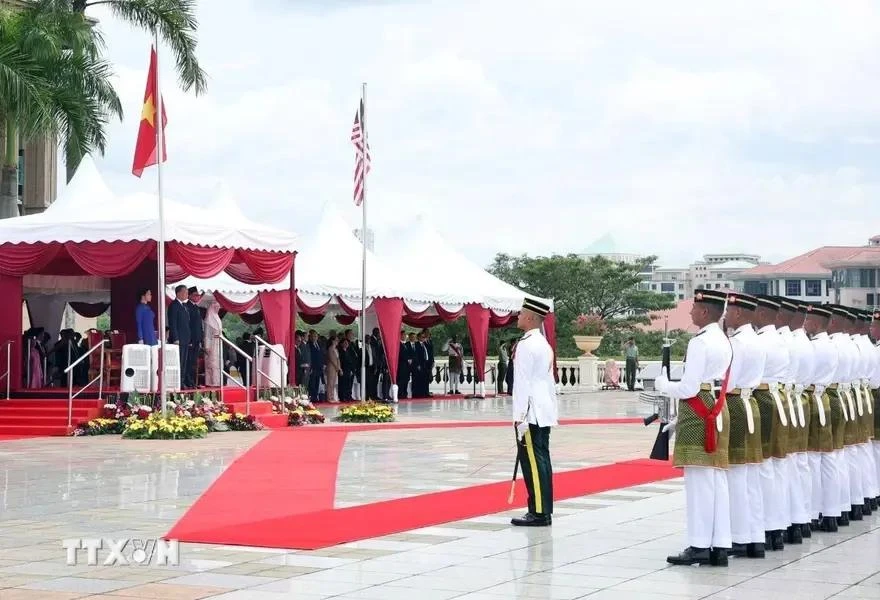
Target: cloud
681,127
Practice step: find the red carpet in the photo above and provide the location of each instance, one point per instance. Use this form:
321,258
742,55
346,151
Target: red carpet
329,527
273,479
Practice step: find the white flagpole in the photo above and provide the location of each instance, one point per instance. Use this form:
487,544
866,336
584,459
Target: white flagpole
363,320
160,293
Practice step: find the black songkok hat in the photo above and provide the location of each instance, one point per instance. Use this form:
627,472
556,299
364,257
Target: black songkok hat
711,296
536,306
745,301
766,301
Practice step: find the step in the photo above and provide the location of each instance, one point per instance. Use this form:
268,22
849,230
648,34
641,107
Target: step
236,395
273,421
54,420
40,430
263,407
46,411
36,403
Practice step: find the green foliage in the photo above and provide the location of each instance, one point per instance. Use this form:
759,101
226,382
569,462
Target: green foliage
649,343
595,286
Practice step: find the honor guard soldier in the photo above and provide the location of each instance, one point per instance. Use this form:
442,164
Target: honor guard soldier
787,321
744,449
702,429
842,404
862,455
803,382
534,412
875,391
775,417
824,507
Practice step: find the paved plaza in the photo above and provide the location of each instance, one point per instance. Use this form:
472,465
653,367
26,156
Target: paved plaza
606,545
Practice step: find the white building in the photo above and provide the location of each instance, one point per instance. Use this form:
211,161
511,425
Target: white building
714,272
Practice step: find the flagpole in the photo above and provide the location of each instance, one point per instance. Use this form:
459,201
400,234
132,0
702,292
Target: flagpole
363,321
160,293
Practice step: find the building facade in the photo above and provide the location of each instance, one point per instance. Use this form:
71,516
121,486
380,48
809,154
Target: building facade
714,271
837,274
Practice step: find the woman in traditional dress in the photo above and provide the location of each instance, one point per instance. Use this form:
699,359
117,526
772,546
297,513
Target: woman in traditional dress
213,347
456,359
145,318
332,369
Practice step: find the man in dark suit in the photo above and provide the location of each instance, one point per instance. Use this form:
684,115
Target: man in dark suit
179,329
316,360
197,335
430,371
404,365
423,366
381,366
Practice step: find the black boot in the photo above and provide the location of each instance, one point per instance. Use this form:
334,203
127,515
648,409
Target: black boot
866,508
718,557
793,535
806,530
777,540
829,524
739,550
814,525
874,506
855,513
843,520
755,551
690,556
532,520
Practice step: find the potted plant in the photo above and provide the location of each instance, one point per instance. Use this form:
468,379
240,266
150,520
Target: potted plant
588,331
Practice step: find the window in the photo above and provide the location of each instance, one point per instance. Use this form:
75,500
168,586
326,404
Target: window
719,275
829,285
870,300
867,278
681,286
726,286
717,286
755,287
813,287
792,287
654,287
681,296
667,287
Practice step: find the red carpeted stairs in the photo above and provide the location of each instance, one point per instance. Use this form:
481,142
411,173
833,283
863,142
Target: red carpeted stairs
44,416
236,400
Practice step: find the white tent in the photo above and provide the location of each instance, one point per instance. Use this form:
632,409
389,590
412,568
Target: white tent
418,250
87,211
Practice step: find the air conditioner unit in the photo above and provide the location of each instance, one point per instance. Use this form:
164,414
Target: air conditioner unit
172,368
136,369
272,365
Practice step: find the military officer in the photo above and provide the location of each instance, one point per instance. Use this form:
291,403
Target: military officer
875,391
744,449
842,405
702,430
824,468
870,484
774,423
534,412
803,380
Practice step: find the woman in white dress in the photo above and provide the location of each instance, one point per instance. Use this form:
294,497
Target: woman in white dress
213,329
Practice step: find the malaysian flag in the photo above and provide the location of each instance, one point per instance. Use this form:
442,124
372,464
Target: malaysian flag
362,158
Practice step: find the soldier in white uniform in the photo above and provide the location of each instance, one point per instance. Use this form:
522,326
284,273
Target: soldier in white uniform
842,403
534,413
775,421
868,470
701,434
744,450
798,517
803,382
824,467
875,392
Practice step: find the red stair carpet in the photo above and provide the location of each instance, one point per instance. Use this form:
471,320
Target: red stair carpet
254,503
42,417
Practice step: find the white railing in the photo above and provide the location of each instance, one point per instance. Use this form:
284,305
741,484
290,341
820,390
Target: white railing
260,346
226,377
7,374
69,372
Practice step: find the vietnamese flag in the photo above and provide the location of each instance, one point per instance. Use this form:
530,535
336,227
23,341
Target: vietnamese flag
145,150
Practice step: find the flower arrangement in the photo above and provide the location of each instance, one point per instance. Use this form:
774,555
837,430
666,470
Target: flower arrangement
214,412
157,427
304,416
366,412
589,324
240,422
100,426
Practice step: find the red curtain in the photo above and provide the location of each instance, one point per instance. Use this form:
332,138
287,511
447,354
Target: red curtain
349,309
305,309
257,266
550,334
10,329
446,315
235,307
198,261
496,321
291,293
276,316
345,319
124,298
389,312
407,311
109,259
422,321
310,319
17,260
89,310
478,329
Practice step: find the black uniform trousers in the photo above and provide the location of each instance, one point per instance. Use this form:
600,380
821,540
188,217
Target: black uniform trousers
537,472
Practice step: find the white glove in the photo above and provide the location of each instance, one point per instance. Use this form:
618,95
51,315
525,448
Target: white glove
670,427
522,428
661,384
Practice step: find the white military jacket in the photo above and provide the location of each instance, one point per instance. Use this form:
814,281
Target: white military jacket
534,384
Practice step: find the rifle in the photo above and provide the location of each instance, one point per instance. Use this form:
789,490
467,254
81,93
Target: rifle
663,404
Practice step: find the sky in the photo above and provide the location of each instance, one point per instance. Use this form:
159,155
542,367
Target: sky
680,128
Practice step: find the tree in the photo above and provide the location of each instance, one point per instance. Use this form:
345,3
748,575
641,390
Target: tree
54,83
577,286
175,23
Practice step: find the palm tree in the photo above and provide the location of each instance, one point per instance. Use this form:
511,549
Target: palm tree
54,83
175,23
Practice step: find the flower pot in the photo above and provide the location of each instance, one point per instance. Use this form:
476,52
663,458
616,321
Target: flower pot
587,343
